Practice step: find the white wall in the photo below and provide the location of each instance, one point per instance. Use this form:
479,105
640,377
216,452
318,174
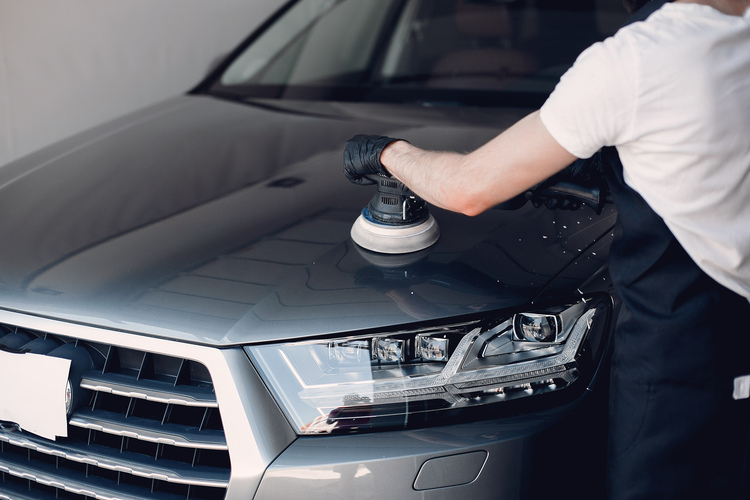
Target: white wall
67,65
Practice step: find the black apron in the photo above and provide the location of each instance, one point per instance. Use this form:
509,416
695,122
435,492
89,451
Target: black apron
681,339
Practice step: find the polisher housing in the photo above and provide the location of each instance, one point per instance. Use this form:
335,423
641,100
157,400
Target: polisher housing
395,221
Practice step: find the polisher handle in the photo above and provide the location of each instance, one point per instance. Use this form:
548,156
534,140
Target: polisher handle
395,204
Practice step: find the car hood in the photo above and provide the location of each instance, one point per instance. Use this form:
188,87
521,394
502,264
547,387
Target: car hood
225,223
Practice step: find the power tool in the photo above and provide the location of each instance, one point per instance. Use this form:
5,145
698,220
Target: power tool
395,221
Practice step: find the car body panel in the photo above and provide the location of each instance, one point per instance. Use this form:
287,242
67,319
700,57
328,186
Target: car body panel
458,461
174,223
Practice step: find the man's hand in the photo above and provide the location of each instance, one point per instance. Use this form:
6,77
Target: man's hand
469,183
362,157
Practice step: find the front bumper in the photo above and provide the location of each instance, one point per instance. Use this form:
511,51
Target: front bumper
520,456
550,454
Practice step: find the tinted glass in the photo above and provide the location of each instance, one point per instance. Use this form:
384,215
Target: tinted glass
406,50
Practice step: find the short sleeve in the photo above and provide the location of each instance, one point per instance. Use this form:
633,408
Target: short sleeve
593,104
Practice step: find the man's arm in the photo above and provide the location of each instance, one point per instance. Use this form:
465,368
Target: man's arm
519,158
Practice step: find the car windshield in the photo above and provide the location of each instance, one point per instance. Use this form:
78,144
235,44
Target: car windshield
455,51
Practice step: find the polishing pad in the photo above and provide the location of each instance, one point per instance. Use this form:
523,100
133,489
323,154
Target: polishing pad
394,239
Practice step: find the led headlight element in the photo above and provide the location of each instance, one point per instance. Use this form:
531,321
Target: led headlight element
388,350
364,382
432,348
536,327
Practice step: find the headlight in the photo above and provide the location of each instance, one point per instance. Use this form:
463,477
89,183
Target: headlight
364,382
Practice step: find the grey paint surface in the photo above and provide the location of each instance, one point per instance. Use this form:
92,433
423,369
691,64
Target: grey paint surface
357,466
225,223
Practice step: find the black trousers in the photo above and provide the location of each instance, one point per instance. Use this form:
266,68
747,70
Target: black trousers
676,432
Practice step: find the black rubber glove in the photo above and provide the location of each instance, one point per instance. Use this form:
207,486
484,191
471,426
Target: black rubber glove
362,157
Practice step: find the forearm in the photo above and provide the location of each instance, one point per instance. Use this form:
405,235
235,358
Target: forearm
512,162
432,173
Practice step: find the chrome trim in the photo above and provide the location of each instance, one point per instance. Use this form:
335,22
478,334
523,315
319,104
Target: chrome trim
256,431
16,496
133,427
149,390
147,468
38,475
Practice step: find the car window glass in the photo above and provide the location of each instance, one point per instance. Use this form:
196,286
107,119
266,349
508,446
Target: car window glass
278,38
341,44
429,45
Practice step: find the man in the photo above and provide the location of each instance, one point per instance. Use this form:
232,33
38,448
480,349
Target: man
671,94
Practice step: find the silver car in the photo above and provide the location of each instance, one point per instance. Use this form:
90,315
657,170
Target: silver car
183,313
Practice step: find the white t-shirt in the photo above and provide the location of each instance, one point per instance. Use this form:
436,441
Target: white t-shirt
672,93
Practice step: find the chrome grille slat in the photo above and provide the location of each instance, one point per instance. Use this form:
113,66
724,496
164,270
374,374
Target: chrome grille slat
7,493
150,390
48,476
147,426
147,430
130,463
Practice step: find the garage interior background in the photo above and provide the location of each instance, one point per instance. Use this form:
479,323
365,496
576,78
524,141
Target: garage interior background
68,65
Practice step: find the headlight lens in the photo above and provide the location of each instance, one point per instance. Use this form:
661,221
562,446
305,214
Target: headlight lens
384,380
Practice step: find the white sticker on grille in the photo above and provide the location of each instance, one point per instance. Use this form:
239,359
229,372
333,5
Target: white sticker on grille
741,387
32,393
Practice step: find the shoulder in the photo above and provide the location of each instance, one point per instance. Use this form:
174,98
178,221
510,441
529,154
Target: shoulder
591,105
680,27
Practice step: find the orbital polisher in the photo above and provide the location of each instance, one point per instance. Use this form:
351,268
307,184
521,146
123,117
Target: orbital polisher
395,221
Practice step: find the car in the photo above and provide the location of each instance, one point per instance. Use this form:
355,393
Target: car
184,314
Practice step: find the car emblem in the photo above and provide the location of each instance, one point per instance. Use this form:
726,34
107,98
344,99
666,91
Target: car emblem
33,392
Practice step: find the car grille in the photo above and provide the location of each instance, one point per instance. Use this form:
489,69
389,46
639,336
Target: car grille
150,428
